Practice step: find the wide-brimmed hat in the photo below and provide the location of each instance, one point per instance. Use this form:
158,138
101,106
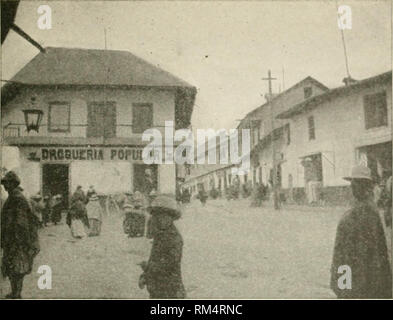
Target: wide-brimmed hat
128,205
360,172
10,176
94,197
36,196
167,202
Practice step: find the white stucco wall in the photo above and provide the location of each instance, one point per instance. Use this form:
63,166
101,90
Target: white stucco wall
339,130
163,102
107,177
166,174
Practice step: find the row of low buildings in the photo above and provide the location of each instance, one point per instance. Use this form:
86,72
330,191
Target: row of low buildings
319,134
94,106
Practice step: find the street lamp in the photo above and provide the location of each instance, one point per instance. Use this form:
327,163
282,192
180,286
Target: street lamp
33,117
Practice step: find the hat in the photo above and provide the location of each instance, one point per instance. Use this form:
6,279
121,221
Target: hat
11,177
138,199
167,202
94,197
37,196
128,205
360,172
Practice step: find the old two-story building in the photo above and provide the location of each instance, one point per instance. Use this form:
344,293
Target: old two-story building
335,130
260,123
94,105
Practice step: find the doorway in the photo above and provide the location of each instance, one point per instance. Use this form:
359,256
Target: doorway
55,181
379,160
145,178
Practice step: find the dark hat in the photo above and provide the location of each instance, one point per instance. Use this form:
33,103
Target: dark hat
169,203
11,176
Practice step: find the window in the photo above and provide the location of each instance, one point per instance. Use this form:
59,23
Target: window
311,128
307,92
255,127
288,133
59,117
101,119
262,129
375,110
142,117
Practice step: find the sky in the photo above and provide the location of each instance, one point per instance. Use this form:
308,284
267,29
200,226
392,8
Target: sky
222,48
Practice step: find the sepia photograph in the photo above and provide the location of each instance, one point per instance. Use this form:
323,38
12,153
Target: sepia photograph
196,150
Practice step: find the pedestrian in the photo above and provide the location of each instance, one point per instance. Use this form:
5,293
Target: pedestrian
77,218
149,225
37,207
360,245
256,196
162,273
47,212
134,216
90,192
186,196
19,235
148,184
202,196
94,214
57,209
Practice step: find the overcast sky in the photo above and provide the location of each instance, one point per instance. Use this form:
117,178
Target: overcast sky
222,48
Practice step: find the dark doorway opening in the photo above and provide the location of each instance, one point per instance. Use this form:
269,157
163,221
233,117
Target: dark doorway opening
379,160
55,181
145,178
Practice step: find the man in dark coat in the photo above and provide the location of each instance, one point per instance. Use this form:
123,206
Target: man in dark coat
78,207
162,273
361,245
19,235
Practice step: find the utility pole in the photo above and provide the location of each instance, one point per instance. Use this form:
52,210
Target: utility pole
274,178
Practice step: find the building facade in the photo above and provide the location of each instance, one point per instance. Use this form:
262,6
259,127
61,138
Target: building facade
96,104
336,130
259,122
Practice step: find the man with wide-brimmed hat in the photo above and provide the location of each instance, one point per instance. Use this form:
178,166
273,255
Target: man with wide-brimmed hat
162,273
19,237
361,246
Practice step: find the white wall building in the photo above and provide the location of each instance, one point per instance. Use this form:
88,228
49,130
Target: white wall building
96,104
332,132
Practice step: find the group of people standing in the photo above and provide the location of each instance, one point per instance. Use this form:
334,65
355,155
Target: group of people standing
360,239
47,209
85,215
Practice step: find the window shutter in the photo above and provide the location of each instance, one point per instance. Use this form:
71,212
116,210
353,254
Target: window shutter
142,117
91,121
110,120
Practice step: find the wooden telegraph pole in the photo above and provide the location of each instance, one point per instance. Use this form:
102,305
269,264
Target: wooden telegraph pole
274,178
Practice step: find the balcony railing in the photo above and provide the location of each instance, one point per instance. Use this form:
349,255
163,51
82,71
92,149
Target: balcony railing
12,130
